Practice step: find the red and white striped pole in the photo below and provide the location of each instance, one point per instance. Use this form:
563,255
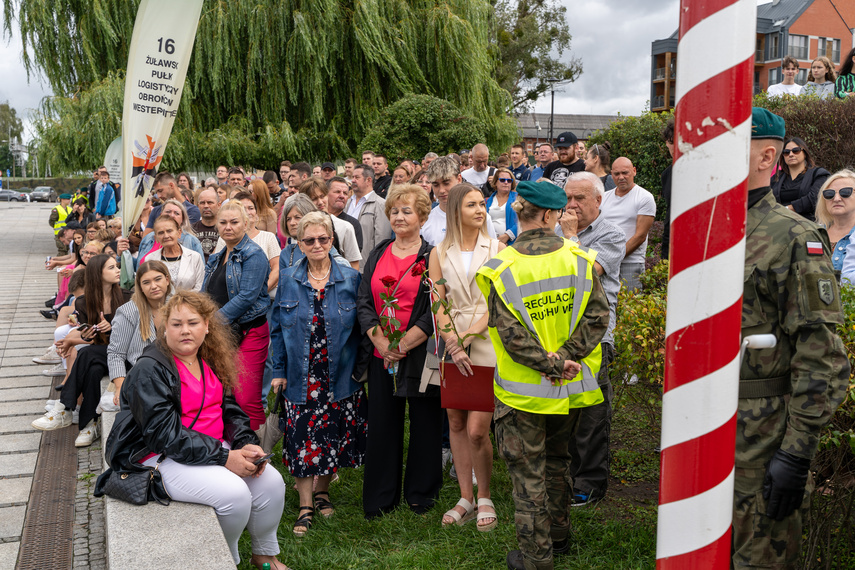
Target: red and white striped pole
715,69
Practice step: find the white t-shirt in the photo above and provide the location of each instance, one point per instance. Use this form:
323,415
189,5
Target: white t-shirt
265,240
434,229
780,89
474,177
497,216
623,211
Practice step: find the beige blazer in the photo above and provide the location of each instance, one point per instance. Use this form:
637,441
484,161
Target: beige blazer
468,304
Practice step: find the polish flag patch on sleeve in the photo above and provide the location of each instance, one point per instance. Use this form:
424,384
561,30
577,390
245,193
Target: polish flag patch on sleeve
814,248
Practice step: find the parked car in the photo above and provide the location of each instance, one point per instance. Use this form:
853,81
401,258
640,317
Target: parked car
13,196
43,194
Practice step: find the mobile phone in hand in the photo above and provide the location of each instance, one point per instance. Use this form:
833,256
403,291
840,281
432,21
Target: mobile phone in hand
262,459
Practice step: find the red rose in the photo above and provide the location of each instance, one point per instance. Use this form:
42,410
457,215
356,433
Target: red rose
388,281
418,269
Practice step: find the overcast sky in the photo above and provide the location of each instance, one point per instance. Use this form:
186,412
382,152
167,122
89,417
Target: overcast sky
611,37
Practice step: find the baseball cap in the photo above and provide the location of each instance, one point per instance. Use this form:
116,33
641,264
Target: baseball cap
566,139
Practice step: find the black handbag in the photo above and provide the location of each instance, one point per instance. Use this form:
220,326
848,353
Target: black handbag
140,483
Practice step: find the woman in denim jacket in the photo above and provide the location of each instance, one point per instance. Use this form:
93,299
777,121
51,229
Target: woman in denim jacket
236,278
325,417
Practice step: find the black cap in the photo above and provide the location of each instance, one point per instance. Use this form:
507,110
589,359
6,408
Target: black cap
566,139
329,165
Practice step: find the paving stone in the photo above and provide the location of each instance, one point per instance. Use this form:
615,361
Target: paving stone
34,379
20,442
23,360
16,424
9,553
11,521
15,490
10,394
17,464
28,407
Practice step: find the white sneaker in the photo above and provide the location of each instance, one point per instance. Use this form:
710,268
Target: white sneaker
446,456
53,420
87,435
58,370
50,404
49,357
453,472
75,417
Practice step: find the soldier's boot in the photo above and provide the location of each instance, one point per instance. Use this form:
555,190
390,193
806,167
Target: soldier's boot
517,561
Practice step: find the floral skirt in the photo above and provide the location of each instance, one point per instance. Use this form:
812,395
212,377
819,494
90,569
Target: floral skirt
322,437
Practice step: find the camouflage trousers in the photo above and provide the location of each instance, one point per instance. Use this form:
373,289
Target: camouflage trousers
535,448
760,541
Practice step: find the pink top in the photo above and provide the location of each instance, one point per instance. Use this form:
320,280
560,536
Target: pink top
210,420
390,265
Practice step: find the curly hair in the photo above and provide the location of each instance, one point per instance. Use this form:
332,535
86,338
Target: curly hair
218,349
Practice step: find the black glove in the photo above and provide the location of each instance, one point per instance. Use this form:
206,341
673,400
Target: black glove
784,484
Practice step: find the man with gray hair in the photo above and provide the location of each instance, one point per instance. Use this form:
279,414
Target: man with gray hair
429,157
583,223
368,208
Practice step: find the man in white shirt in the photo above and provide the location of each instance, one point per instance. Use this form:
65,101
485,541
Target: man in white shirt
368,208
443,175
479,175
633,209
789,69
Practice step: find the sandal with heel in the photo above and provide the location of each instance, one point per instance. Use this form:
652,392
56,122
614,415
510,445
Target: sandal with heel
456,517
304,521
323,505
485,515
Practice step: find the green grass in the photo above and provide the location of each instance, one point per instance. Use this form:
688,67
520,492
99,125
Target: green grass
616,533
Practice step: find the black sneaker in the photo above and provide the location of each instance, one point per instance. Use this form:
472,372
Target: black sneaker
50,302
515,560
561,547
51,314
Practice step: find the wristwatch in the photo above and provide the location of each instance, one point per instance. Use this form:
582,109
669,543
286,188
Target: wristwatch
574,239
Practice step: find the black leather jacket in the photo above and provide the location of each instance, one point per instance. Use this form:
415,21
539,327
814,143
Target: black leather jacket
150,419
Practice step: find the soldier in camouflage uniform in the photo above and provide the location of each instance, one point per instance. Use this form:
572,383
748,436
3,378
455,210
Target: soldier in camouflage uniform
535,445
789,392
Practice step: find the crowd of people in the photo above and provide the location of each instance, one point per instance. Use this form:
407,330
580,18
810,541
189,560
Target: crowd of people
823,80
352,292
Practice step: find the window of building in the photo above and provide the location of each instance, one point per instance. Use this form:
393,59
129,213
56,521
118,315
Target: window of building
830,48
797,46
773,46
775,76
801,76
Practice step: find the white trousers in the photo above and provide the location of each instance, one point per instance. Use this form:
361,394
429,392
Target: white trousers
252,503
59,334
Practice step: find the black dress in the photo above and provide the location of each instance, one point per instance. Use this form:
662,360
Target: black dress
322,436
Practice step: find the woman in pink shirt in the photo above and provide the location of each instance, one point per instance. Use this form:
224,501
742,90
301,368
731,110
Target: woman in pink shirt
178,401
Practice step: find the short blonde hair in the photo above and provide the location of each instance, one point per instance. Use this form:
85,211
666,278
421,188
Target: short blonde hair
237,207
402,192
822,214
315,218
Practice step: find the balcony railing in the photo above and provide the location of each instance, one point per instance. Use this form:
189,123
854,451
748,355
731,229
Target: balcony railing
759,57
835,56
658,102
798,52
659,74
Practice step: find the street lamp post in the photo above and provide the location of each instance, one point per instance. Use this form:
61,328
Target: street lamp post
552,81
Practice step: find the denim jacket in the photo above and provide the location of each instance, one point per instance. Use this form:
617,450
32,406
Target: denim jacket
247,270
292,319
510,215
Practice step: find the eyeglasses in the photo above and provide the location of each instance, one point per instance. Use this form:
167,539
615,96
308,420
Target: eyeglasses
794,150
829,194
508,180
324,240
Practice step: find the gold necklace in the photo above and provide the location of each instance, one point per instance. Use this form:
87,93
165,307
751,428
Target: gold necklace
409,246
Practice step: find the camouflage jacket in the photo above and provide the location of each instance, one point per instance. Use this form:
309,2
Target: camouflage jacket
517,339
789,392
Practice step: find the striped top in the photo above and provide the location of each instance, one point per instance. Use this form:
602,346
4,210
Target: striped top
126,344
844,84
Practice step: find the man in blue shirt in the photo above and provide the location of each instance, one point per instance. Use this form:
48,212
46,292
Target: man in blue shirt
519,163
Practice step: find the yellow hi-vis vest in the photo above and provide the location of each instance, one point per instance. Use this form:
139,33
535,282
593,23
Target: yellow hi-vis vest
60,222
548,294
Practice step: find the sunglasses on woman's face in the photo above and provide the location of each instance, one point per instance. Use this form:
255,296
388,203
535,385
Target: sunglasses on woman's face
829,194
794,150
311,241
508,180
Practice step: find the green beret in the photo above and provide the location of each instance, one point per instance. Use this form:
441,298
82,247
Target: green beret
543,194
65,196
766,125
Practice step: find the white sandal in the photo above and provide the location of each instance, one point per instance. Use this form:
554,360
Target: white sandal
482,516
459,519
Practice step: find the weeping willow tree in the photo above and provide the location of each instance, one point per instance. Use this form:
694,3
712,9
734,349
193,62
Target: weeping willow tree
269,79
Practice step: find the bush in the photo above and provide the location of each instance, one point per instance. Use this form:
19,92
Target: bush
639,139
826,126
417,124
